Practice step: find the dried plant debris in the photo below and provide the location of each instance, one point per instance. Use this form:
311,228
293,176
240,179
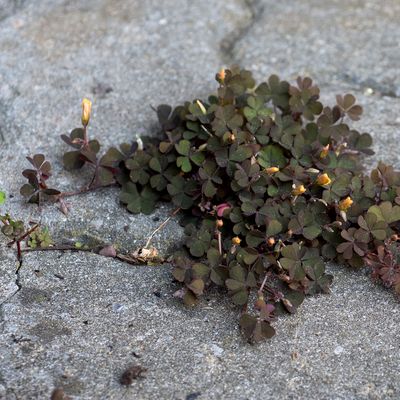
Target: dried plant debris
269,182
59,394
131,374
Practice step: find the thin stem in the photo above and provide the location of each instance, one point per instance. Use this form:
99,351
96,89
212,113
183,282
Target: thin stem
19,254
85,138
83,190
219,242
263,283
160,227
56,248
23,236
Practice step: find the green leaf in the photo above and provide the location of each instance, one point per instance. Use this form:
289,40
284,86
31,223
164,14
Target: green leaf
274,227
183,147
2,197
272,156
184,164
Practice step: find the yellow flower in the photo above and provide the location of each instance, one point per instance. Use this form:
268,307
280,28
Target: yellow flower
298,190
323,180
236,240
86,111
324,151
271,170
345,204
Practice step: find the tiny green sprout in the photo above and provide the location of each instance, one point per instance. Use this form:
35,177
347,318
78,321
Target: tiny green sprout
2,197
40,238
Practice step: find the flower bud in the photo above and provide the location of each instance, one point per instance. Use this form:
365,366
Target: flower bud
324,151
270,241
323,180
236,240
345,204
219,223
86,111
271,170
298,190
221,75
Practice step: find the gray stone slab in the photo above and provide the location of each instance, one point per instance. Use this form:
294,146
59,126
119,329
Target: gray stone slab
80,332
8,268
353,41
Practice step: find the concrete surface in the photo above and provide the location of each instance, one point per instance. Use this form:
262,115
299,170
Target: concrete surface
78,320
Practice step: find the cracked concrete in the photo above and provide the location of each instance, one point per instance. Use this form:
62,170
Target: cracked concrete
77,320
255,9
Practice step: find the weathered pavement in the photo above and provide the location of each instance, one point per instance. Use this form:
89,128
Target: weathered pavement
78,320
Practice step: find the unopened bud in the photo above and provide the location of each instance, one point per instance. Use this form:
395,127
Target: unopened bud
298,190
324,151
219,223
345,204
221,75
86,111
270,241
323,180
236,240
271,170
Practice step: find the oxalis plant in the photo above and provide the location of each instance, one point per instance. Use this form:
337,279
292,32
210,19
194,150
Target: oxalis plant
269,183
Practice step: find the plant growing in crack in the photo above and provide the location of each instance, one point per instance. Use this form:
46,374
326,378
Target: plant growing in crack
269,183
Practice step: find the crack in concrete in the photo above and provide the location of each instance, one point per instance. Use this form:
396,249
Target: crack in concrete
228,43
387,90
17,282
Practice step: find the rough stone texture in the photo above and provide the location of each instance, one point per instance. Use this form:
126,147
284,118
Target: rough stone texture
77,320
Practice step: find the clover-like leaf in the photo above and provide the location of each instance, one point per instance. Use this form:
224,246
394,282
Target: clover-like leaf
275,90
256,109
138,200
347,104
356,242
370,223
304,98
386,212
255,329
292,261
272,156
181,191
